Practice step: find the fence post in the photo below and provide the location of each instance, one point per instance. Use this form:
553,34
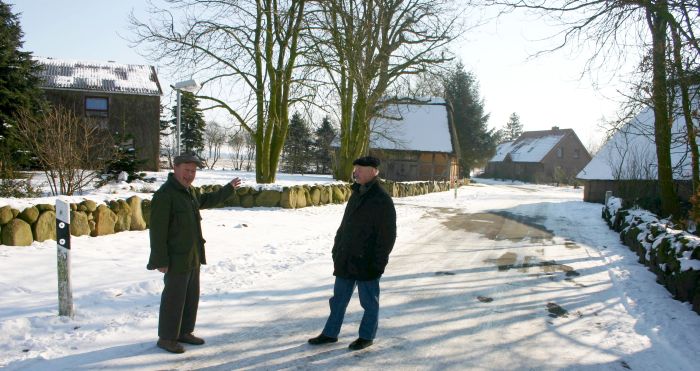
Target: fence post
65,294
608,194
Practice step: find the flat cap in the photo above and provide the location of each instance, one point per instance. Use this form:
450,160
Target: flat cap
187,158
367,161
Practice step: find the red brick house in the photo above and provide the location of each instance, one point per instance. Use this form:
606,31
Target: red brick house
544,156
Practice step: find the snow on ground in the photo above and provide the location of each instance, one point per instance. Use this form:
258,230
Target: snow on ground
270,268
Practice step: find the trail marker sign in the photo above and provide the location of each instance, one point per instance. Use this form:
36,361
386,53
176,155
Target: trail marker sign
65,294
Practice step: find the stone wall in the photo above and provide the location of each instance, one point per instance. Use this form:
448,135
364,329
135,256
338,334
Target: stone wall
38,223
673,255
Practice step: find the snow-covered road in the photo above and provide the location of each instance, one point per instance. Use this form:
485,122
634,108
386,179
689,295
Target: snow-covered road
501,278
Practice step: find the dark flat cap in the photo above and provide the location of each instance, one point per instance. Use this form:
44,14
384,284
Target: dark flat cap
188,158
367,161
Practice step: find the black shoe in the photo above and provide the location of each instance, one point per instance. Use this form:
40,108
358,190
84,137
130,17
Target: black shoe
360,343
322,339
171,346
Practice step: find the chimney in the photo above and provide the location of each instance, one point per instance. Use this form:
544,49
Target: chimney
555,128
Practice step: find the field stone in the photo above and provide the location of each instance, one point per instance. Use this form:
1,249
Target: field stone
30,214
45,226
288,199
79,225
17,233
268,198
137,221
105,219
5,215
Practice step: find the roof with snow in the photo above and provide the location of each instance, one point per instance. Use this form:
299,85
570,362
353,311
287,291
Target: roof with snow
531,146
631,152
109,77
420,124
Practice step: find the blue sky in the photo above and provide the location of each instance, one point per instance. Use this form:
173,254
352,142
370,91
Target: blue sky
544,91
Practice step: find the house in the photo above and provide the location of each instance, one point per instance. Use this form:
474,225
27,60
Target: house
119,96
416,140
544,156
627,164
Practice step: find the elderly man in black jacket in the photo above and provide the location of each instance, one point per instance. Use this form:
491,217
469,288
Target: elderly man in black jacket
360,253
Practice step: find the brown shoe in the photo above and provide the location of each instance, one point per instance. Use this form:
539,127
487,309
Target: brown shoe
171,346
190,339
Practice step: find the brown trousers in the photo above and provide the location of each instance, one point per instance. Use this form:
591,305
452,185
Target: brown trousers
178,304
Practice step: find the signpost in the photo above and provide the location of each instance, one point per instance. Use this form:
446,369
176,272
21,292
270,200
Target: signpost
454,175
65,294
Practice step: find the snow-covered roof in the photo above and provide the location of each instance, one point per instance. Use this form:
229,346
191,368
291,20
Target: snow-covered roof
631,152
98,76
531,146
419,125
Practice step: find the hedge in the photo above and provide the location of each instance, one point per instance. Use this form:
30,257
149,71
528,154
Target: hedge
672,254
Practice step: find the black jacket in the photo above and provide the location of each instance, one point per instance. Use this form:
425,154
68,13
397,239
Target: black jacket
366,235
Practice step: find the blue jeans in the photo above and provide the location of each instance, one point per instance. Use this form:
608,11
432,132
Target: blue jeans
369,299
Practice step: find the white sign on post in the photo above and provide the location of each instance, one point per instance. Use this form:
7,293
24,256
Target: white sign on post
65,294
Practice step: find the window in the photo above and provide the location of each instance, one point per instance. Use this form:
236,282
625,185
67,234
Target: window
96,106
560,152
576,153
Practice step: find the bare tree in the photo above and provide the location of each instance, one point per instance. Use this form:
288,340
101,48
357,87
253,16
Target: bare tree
250,46
616,28
236,142
214,138
250,151
365,47
69,148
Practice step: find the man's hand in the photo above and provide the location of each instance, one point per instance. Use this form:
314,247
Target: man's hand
236,182
163,270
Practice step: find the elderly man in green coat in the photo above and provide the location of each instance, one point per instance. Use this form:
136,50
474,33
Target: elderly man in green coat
177,250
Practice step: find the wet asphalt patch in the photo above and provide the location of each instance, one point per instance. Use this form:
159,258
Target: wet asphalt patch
509,260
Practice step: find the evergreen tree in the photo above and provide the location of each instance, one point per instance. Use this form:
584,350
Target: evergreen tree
324,136
166,127
19,87
125,160
191,124
513,128
297,147
477,143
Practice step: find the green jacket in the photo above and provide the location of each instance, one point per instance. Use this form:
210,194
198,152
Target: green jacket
175,227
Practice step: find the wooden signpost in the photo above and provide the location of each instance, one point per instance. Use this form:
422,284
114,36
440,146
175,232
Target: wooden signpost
65,294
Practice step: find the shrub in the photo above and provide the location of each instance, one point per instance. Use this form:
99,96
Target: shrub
13,186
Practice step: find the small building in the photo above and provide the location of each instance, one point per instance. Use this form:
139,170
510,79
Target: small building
544,156
121,97
627,163
416,140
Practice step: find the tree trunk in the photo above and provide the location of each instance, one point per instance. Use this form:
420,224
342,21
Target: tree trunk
354,137
662,123
686,104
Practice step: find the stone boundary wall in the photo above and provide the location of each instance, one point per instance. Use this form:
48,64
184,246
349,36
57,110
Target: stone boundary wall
38,223
673,255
